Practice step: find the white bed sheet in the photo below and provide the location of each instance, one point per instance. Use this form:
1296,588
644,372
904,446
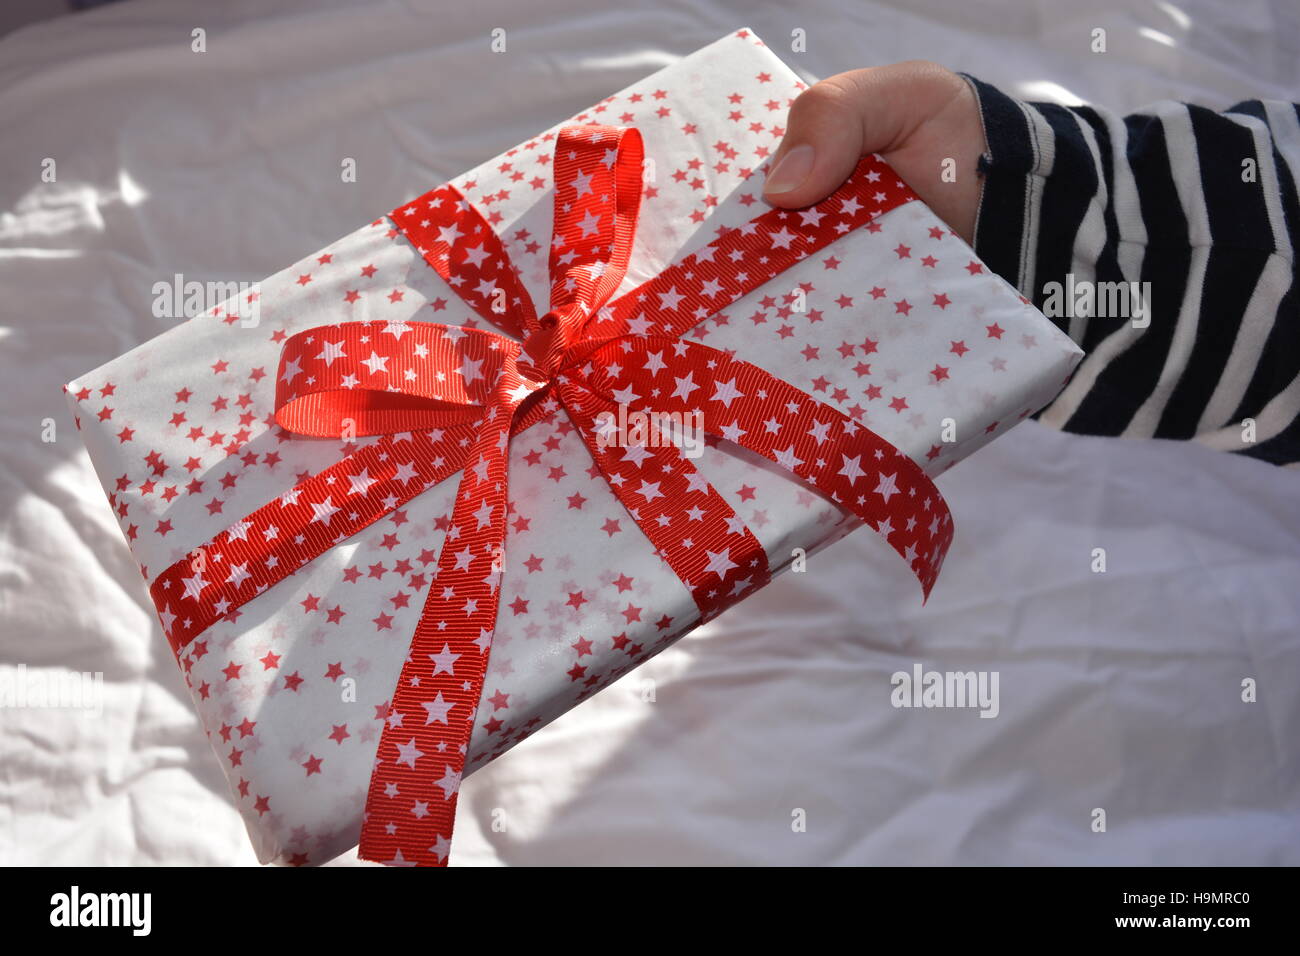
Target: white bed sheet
1118,690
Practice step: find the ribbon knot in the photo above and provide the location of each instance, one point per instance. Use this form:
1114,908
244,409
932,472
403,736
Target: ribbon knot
546,349
447,399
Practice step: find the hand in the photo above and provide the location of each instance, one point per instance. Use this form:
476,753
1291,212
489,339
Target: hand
915,114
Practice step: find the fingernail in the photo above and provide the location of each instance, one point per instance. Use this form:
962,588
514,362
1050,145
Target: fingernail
792,170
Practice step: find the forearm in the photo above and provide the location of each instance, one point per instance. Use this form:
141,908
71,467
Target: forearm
1165,255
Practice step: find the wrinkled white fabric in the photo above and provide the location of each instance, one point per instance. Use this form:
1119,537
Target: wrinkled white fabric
1119,691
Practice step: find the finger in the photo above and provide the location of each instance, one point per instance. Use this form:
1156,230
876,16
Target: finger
835,122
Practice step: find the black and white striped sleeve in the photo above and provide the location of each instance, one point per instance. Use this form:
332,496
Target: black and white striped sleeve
1163,243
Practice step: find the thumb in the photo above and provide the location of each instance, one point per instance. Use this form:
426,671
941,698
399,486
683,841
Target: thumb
836,122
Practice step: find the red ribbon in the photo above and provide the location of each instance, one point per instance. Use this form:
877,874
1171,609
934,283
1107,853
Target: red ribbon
446,399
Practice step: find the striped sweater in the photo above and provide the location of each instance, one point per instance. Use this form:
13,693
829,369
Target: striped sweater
1198,209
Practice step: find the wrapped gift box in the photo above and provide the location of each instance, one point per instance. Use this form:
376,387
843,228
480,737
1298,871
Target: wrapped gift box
896,324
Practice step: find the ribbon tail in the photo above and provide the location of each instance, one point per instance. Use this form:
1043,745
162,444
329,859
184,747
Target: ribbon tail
863,473
268,545
748,406
411,803
693,528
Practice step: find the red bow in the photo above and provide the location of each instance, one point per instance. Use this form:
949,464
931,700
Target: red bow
449,398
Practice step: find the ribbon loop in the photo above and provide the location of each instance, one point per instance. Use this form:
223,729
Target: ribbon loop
381,378
598,171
